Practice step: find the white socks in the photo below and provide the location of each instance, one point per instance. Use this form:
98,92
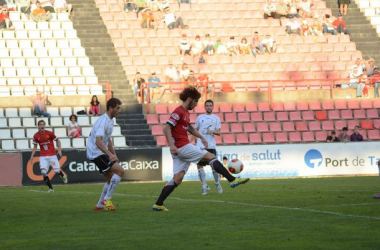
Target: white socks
115,180
216,177
202,177
104,192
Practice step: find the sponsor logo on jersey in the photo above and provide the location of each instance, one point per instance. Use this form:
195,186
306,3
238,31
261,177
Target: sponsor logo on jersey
175,116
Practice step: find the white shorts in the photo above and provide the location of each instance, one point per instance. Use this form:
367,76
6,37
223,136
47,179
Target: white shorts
47,161
186,155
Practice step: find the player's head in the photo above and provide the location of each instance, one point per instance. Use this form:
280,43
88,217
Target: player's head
225,159
41,126
113,107
190,96
209,106
73,118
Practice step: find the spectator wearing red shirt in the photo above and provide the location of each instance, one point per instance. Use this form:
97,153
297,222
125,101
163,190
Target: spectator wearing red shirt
340,25
375,80
203,81
5,22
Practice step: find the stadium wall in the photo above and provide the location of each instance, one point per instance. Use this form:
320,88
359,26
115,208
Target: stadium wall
10,170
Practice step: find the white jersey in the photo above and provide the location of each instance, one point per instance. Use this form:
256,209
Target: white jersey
103,127
207,122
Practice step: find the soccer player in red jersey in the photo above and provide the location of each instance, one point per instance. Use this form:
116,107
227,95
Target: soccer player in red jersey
183,152
48,155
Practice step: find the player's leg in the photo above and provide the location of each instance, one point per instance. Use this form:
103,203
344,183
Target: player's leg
54,163
377,196
99,205
114,176
44,166
219,188
202,178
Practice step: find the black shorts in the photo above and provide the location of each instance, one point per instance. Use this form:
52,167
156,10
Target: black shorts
204,163
104,163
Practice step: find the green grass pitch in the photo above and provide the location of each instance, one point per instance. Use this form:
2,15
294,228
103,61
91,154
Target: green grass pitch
316,213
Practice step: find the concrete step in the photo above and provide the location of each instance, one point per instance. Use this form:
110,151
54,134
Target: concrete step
141,143
139,137
128,127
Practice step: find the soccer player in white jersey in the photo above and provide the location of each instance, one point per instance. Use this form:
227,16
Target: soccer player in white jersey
100,150
208,125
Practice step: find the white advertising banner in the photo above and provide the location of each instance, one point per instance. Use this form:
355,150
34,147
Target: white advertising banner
292,160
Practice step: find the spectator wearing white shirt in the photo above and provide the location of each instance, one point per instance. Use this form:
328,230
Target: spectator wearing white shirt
62,6
292,26
48,6
355,81
269,10
305,9
269,44
172,22
232,46
208,45
328,26
184,46
171,73
184,73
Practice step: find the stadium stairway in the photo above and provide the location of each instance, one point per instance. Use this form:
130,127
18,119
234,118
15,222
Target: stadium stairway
361,30
101,52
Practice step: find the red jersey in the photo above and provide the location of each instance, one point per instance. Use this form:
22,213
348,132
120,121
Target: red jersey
46,142
180,120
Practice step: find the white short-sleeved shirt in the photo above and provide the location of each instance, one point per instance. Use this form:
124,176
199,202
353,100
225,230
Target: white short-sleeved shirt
60,4
169,18
171,72
103,127
207,122
305,5
269,41
293,25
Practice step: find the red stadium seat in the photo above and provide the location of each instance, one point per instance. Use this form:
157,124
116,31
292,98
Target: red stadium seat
282,137
218,140
152,119
282,116
339,125
193,117
225,107
314,126
376,103
288,126
255,138
366,104
229,139
367,124
164,118
376,124
327,125
295,116
269,116
308,136
264,106
220,115
200,109
373,135
372,113
328,104
262,127
308,115
225,128
161,109
161,141
320,136
256,117
295,137
302,105
157,130
359,114
268,138
249,127
276,106
321,115
315,105
230,117
352,124
340,104
242,139
346,114
251,107
353,104
301,126
275,126
238,107
172,107
243,117
236,128
334,114
289,106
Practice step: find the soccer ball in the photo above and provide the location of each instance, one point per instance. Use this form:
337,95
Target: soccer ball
235,166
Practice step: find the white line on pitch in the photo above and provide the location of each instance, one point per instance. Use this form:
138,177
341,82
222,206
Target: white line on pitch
236,203
352,205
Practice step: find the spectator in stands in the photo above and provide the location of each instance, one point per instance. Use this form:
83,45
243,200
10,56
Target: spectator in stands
63,6
356,136
317,29
73,128
139,6
292,26
192,80
343,136
332,137
185,46
39,14
94,108
370,67
3,4
355,82
343,6
269,44
25,7
171,73
257,45
48,6
129,5
304,8
359,65
5,22
220,48
232,46
137,84
147,20
269,10
328,26
293,9
340,25
282,9
208,45
225,162
245,48
171,21
184,73
305,28
154,88
197,47
203,82
375,80
163,5
39,107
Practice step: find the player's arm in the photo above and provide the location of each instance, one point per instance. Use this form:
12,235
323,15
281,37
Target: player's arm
33,152
196,133
100,145
215,132
59,147
193,138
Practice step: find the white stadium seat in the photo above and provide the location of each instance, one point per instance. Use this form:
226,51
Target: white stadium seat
30,132
14,122
58,62
7,145
83,121
83,61
12,44
43,26
119,141
19,62
22,144
71,61
53,111
75,71
78,143
32,62
59,34
38,44
65,142
8,34
96,89
15,52
22,72
60,132
92,80
50,43
67,52
66,80
55,25
93,119
6,62
57,90
83,90
27,81
24,44
45,62
71,34
17,91
18,133
13,81
63,43
79,80
56,121
41,52
25,112
11,112
54,52
29,122
116,131
65,111
28,53
30,25
19,26
70,90
4,91
30,90
62,71
5,134
86,131
53,81
10,72
3,123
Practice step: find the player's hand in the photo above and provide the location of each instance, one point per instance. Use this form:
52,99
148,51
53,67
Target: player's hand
209,132
113,157
60,153
174,150
205,143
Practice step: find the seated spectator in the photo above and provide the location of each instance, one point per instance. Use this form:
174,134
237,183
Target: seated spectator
355,82
269,9
25,7
203,83
48,6
39,107
197,47
39,14
139,6
282,9
137,85
171,73
192,80
73,128
356,136
208,45
163,5
185,46
317,29
147,20
340,25
153,5
155,88
220,48
375,80
171,21
370,67
245,47
306,30
269,44
293,9
184,73
343,136
292,26
257,44
232,46
332,137
3,4
328,26
129,5
94,108
304,8
365,81
63,6
360,65
5,22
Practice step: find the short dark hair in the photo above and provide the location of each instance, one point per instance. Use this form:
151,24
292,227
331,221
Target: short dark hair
333,132
38,123
191,92
76,117
209,100
356,127
225,158
345,129
112,103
